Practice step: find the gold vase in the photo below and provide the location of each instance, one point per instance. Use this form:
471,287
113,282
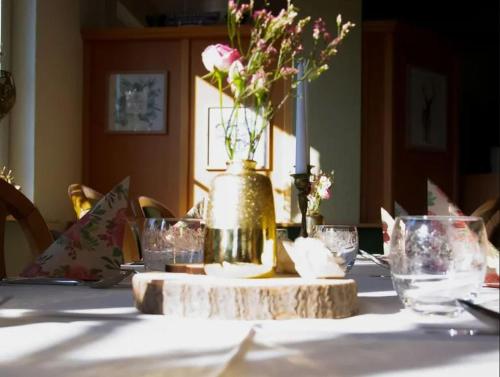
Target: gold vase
240,238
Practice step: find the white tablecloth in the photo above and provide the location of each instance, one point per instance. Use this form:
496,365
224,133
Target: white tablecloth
78,331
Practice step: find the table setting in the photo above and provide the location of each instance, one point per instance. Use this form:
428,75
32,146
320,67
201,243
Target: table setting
230,294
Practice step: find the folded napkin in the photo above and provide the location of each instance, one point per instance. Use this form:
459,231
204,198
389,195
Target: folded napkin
439,204
198,211
312,259
387,226
90,249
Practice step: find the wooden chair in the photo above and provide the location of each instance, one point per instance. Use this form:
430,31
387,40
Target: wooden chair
150,207
489,211
83,198
13,202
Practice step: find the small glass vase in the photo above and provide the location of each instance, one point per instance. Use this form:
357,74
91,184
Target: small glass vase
312,221
240,238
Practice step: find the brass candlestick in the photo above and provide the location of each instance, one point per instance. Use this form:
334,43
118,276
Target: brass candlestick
303,186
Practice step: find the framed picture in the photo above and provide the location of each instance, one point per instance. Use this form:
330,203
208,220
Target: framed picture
217,156
137,102
426,109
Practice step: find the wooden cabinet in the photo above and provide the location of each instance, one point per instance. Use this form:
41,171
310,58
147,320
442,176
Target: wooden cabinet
409,118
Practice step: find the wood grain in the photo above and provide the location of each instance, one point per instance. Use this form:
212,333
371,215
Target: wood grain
198,296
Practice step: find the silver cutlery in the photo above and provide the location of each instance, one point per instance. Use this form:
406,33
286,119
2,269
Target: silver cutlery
379,261
111,281
107,282
4,299
41,281
485,315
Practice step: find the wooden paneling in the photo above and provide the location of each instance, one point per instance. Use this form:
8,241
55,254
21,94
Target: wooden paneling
152,161
376,132
412,166
391,169
172,167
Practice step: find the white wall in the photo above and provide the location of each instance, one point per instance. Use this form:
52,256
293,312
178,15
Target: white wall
335,111
5,61
22,116
58,131
45,129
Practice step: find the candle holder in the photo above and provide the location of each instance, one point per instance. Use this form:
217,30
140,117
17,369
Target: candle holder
302,184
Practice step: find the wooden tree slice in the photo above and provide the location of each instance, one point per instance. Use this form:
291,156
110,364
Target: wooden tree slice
199,296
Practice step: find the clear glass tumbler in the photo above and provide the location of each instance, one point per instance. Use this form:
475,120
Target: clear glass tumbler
341,240
436,260
171,241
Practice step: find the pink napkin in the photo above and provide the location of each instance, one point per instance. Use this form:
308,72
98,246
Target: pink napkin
90,249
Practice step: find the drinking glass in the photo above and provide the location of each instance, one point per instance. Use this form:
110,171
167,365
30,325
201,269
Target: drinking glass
171,241
436,260
341,240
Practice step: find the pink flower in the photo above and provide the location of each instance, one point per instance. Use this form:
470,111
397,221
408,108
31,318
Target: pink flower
288,71
80,273
319,27
325,195
258,81
219,57
33,270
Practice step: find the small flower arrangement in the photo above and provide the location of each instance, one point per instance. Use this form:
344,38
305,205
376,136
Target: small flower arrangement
250,70
321,186
6,175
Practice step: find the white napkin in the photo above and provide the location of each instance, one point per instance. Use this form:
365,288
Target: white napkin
312,259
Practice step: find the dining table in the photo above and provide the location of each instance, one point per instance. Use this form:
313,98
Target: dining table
57,330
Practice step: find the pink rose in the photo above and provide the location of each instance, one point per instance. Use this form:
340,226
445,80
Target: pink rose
219,56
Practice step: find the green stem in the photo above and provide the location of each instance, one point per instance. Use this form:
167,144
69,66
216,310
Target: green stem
225,127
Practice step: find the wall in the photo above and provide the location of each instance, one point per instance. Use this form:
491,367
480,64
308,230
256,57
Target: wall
335,112
5,65
22,116
58,106
45,123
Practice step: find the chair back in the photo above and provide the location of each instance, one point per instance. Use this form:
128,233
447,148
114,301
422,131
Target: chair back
489,211
83,198
150,207
13,202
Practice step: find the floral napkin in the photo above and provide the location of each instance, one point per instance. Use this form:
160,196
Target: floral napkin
387,226
439,204
90,249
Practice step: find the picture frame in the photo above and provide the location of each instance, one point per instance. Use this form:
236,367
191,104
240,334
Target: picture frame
216,151
427,107
137,102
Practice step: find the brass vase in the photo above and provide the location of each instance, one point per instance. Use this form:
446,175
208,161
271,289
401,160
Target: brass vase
240,240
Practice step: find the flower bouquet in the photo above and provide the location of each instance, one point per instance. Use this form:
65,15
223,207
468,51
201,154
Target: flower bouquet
240,238
321,186
250,69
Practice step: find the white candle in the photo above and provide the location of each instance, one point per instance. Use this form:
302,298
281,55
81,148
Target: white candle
301,137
